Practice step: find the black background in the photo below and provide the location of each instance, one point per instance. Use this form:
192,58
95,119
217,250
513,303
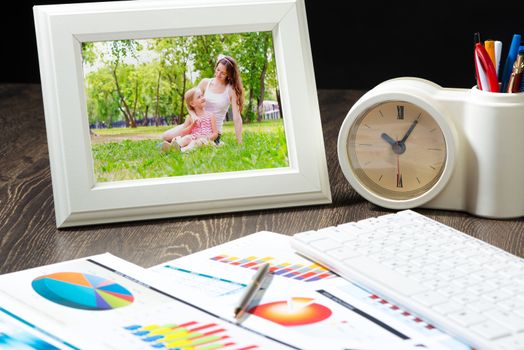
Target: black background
355,44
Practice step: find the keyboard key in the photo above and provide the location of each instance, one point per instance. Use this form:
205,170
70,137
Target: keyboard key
467,317
389,278
324,244
497,295
490,330
351,227
448,307
308,236
465,298
519,311
343,253
513,288
515,342
507,318
339,236
512,304
481,305
430,298
482,288
448,290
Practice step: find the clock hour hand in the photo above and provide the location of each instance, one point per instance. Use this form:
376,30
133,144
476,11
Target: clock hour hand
388,139
410,130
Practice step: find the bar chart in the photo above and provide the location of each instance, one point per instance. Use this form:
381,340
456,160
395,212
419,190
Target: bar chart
188,335
296,271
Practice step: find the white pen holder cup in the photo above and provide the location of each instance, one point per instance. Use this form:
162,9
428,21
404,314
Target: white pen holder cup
493,141
488,174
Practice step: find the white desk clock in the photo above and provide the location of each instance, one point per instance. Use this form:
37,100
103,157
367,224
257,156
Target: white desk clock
409,142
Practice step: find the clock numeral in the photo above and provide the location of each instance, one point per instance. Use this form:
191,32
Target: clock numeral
400,112
380,178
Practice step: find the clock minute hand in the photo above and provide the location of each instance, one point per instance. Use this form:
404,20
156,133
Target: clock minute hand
411,127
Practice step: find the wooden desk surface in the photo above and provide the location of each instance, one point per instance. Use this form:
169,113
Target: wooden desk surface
29,238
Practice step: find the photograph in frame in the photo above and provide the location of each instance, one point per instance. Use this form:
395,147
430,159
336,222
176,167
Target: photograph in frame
287,169
141,97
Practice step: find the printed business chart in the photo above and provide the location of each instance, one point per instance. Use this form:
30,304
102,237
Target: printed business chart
301,296
212,286
296,271
242,257
388,310
119,303
17,333
82,291
295,311
187,335
311,315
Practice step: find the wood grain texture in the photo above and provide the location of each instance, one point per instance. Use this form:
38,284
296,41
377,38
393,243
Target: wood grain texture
29,238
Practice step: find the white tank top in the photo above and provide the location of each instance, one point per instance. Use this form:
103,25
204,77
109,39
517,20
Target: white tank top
218,104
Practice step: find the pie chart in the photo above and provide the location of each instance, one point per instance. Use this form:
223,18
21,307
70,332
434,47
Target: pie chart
293,312
82,291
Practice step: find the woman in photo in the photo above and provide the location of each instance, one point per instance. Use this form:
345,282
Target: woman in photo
220,92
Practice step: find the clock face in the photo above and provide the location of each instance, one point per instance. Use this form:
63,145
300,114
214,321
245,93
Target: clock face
397,150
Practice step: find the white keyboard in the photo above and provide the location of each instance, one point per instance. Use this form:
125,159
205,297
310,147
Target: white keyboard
460,284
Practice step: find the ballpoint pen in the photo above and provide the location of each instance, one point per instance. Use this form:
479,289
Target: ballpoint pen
510,60
498,55
486,65
476,38
516,74
481,76
489,45
251,290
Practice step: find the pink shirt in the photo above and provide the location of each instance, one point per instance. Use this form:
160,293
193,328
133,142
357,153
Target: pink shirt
202,126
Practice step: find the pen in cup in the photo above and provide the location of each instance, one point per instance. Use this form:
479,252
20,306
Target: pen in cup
510,60
516,74
251,290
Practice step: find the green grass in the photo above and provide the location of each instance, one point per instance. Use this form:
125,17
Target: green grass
264,146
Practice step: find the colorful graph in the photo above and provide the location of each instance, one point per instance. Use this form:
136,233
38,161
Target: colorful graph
190,335
300,272
211,285
294,312
18,333
82,291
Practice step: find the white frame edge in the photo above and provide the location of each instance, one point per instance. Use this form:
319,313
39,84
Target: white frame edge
79,200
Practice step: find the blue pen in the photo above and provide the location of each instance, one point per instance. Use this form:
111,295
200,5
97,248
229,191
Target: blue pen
512,56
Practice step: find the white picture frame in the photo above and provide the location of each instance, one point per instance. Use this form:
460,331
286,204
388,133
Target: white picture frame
80,200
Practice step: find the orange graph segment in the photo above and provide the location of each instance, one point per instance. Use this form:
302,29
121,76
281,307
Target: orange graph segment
70,277
294,312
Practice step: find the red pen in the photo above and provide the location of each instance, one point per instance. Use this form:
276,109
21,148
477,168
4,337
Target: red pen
479,71
488,68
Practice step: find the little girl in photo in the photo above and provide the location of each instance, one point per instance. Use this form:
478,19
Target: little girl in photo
202,127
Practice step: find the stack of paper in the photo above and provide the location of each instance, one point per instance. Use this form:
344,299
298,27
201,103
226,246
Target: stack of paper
104,302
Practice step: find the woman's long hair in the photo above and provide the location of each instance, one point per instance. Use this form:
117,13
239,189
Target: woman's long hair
233,78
